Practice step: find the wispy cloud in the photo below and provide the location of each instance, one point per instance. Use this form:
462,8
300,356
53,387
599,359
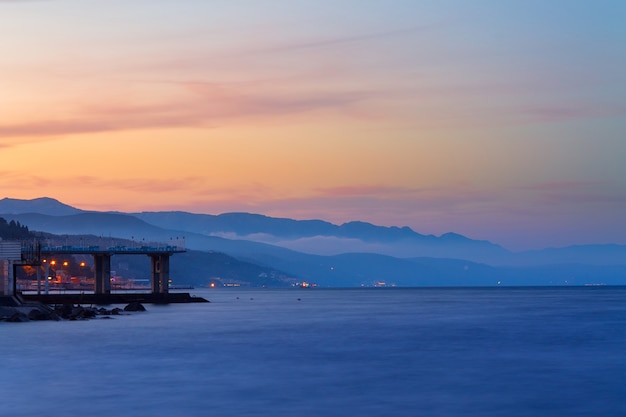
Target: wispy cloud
366,190
577,192
565,112
11,181
10,142
142,186
563,185
340,40
197,104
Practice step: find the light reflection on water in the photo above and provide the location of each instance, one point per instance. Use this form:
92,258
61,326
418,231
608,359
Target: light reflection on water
361,352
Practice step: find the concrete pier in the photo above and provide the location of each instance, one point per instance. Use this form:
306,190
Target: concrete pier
160,266
102,273
159,256
12,254
160,271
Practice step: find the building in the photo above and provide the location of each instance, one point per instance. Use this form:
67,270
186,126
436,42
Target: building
10,254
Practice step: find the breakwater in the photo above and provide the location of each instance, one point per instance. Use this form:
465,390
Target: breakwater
30,307
117,298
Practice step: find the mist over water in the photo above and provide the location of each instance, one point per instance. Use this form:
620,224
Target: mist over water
330,352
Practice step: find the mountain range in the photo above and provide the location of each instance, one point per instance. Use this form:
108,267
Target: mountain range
352,254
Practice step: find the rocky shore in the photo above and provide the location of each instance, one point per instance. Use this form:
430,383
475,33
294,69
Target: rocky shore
25,312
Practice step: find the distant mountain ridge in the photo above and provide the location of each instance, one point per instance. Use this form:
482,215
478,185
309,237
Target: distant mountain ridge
310,236
324,238
43,205
245,224
354,253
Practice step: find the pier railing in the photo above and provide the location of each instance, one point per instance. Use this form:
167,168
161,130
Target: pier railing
113,250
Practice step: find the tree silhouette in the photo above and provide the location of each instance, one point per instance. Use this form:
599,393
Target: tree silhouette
13,230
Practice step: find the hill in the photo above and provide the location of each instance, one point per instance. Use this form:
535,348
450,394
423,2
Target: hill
43,205
351,254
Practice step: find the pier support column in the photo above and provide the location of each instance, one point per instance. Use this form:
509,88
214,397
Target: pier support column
10,253
160,273
102,274
39,279
13,277
7,278
4,277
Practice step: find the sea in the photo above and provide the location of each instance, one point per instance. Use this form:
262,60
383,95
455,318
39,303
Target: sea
445,352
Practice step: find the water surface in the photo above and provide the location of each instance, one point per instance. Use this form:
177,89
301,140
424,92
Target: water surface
330,352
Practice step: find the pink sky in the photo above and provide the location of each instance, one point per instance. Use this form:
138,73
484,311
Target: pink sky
497,120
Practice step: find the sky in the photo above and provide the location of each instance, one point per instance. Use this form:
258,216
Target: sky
497,119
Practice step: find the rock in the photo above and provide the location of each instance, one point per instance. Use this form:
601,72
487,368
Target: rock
89,313
6,312
67,312
77,311
18,317
135,306
36,314
64,311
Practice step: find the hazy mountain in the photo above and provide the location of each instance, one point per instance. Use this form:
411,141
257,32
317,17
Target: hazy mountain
324,238
94,223
201,268
355,253
240,224
581,254
42,205
309,236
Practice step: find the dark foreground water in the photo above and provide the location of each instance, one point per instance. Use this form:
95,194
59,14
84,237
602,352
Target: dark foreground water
363,352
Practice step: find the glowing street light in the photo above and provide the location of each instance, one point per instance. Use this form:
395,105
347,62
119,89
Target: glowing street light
52,262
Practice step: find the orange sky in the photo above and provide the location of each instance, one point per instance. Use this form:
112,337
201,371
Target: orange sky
439,117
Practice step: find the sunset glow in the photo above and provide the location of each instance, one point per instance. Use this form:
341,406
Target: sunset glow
498,120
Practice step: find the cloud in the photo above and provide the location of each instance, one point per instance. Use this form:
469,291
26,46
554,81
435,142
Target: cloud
577,192
562,185
565,112
256,52
141,186
319,245
444,100
11,142
366,190
199,105
441,199
339,40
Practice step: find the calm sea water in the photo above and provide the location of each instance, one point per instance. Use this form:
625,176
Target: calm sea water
330,352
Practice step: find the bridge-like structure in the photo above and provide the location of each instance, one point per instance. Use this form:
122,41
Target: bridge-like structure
159,262
40,255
